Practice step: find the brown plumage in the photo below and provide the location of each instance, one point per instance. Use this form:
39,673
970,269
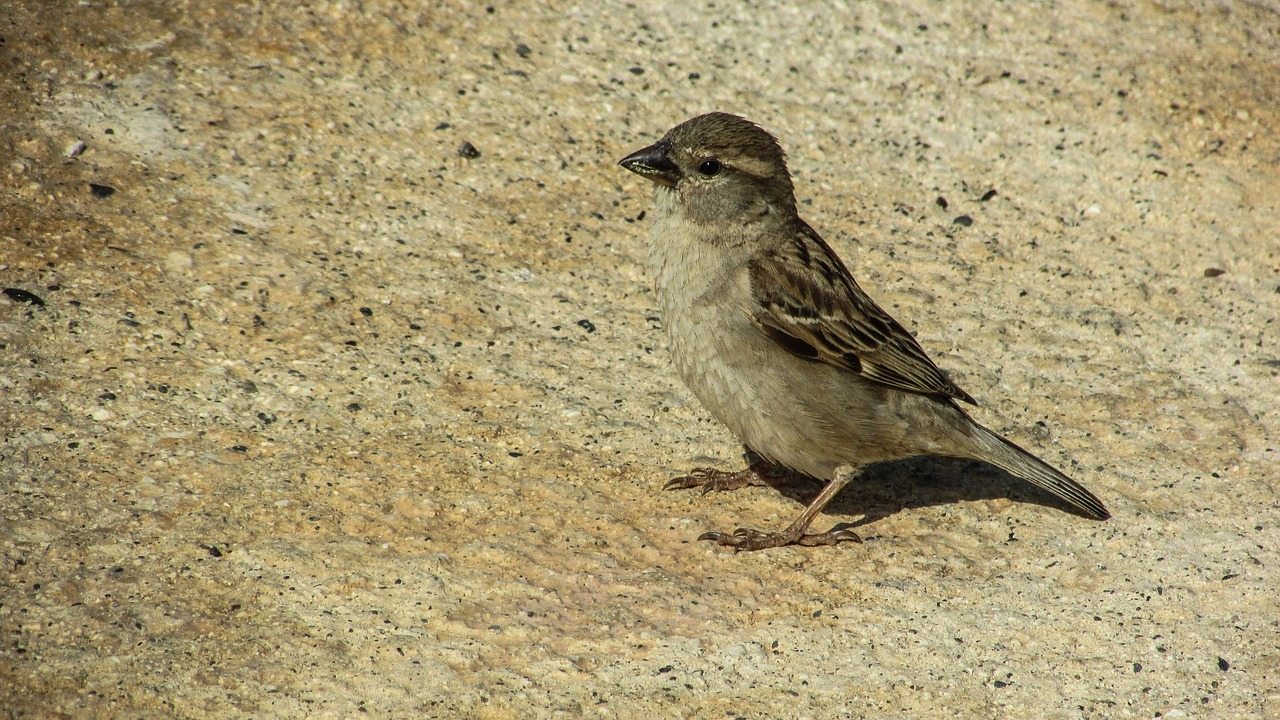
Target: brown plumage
771,332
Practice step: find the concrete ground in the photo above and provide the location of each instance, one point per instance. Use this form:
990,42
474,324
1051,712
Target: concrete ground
333,382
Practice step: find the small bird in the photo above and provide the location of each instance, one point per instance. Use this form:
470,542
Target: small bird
770,331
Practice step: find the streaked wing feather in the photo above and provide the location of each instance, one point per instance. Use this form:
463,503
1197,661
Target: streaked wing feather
807,302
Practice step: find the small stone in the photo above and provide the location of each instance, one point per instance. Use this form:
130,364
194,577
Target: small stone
101,191
75,149
467,150
178,262
1214,272
20,295
963,221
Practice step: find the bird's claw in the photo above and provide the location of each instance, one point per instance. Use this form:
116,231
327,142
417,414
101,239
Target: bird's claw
710,479
749,539
760,473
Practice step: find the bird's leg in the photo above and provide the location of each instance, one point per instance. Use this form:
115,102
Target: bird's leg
760,472
748,539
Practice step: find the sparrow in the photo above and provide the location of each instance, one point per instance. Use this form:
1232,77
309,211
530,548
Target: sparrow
770,331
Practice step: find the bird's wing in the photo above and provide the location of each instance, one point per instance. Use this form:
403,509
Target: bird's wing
806,301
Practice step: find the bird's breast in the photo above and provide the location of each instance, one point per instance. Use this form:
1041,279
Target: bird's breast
807,415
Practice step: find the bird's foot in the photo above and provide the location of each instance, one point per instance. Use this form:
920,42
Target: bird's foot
710,479
748,539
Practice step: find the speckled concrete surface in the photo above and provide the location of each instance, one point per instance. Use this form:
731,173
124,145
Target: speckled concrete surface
322,412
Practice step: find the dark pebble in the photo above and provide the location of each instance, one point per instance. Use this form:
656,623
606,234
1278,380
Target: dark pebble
587,325
963,221
467,150
101,191
1214,272
1223,665
942,202
367,312
988,195
20,295
523,50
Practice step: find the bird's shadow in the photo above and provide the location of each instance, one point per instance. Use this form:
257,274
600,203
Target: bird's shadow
883,489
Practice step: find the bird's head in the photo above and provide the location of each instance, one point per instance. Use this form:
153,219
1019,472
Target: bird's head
720,166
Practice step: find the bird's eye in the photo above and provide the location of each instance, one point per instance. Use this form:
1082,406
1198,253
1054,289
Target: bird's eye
710,167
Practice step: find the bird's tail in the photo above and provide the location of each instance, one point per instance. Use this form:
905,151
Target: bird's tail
1016,461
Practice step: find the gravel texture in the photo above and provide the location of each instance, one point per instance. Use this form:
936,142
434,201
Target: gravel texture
333,383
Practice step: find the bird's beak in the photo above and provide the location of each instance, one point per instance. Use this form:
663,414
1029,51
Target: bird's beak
652,163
